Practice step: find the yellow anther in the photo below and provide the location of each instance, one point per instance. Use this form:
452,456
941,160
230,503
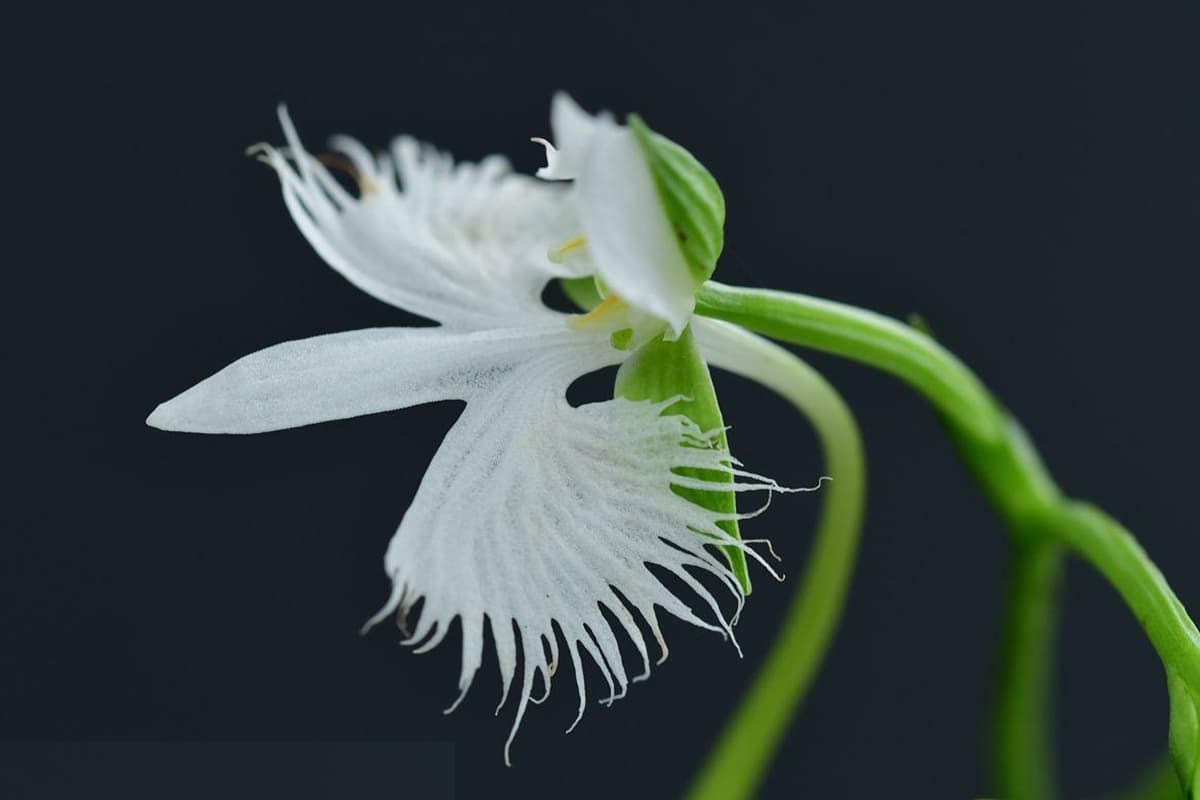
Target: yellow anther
565,250
601,314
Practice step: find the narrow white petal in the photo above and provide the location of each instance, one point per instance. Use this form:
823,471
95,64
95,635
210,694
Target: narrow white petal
539,515
464,244
349,374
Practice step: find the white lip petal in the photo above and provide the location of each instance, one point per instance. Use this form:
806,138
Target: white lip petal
534,515
464,244
349,374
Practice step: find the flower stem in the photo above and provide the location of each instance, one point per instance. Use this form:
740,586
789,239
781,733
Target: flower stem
1021,745
742,754
863,336
1008,470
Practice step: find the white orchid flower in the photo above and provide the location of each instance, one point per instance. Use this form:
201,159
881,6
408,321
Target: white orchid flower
533,512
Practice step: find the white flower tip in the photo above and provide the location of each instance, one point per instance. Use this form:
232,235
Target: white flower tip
793,489
161,418
183,413
562,98
289,131
198,410
567,117
375,619
573,128
178,415
550,172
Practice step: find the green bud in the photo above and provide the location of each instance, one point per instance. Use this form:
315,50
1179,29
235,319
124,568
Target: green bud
690,196
659,370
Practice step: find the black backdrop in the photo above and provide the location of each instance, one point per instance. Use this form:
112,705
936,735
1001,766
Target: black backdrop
1023,176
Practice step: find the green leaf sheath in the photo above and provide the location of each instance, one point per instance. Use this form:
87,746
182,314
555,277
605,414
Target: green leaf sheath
751,738
1005,465
660,370
690,197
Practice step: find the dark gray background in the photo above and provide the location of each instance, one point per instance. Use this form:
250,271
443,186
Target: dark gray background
1024,176
227,770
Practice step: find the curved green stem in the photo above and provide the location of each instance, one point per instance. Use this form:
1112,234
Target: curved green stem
1113,551
863,336
1021,740
1010,473
744,751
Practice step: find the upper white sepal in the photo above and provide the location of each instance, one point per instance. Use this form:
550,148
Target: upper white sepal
630,240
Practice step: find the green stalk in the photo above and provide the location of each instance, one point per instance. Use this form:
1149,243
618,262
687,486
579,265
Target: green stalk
741,756
1010,473
863,336
1021,743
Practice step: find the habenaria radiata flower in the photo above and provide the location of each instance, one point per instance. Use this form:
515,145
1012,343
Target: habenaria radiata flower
533,513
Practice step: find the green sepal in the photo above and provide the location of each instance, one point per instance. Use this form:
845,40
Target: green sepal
690,197
660,370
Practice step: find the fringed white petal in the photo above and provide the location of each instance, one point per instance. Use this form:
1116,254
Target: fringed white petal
345,375
539,517
629,238
464,244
